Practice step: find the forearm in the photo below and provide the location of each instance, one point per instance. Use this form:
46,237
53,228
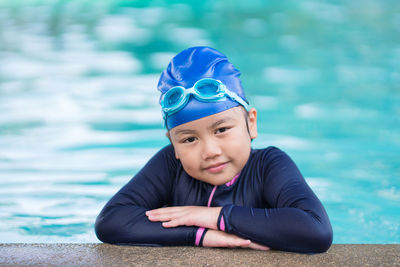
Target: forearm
129,225
206,219
289,229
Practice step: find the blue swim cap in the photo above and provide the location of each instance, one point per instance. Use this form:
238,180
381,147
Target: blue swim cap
191,65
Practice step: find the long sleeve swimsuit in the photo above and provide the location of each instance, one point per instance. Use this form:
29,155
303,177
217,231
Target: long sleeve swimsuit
269,202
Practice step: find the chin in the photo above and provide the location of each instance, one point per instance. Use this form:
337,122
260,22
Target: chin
219,181
212,181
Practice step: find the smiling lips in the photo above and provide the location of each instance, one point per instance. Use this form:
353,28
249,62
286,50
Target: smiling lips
216,168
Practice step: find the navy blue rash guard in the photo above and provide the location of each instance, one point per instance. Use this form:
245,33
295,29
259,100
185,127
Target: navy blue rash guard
269,203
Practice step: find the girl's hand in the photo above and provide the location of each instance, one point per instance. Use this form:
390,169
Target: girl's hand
214,238
206,217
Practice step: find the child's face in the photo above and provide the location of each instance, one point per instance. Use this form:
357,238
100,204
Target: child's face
215,148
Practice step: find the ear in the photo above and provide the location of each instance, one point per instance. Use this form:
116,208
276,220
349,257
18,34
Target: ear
252,122
170,140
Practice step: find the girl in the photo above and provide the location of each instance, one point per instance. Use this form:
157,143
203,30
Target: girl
209,187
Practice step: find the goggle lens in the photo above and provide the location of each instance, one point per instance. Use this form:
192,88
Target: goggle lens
174,97
208,87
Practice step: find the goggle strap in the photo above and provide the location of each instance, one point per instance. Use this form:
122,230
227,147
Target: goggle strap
185,93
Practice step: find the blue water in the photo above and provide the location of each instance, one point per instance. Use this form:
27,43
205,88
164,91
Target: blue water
79,113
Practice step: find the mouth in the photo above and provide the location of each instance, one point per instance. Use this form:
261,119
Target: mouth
216,168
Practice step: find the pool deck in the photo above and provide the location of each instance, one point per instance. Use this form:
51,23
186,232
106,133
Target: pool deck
111,255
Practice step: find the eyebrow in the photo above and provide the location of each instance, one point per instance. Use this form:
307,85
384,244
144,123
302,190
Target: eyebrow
184,131
220,121
212,126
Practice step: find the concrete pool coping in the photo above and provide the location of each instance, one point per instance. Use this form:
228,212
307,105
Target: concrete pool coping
112,255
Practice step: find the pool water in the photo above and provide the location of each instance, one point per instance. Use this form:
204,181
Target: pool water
79,110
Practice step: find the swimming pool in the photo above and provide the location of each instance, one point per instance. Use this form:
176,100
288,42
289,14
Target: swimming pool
79,113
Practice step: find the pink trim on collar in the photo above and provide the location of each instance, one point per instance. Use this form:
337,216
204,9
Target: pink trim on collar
231,182
211,196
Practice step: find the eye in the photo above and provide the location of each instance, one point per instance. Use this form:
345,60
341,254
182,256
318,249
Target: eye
189,139
222,130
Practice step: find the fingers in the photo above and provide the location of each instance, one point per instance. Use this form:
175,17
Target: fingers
235,241
214,238
159,213
258,246
164,210
243,243
163,214
169,220
172,223
171,216
160,217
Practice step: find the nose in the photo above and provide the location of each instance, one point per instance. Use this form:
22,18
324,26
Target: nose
211,149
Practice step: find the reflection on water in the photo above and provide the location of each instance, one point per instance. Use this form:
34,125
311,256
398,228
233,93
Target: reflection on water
79,108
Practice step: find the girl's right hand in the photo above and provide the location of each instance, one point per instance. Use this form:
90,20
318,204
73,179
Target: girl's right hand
215,238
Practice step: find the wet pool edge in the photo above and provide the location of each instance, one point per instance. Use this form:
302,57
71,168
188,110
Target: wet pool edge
92,254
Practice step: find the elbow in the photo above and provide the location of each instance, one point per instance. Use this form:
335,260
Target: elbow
114,227
112,231
321,240
104,231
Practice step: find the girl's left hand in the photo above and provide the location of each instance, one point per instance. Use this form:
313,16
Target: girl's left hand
206,217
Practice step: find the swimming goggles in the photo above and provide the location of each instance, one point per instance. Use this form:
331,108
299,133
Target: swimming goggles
205,90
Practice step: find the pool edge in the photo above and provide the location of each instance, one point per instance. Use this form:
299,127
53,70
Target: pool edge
97,254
